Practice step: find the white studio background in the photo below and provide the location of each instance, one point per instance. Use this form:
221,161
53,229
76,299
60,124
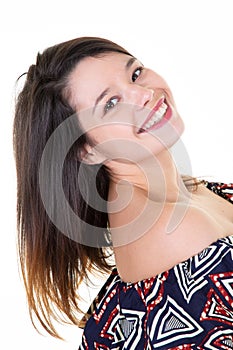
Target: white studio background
187,42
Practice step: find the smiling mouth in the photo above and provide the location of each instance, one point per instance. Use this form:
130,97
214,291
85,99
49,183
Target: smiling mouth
156,116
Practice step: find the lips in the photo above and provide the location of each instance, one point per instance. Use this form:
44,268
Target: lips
159,114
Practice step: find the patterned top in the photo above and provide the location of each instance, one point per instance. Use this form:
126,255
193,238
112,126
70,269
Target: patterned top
187,307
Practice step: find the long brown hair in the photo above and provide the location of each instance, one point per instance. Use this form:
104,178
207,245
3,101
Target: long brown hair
53,263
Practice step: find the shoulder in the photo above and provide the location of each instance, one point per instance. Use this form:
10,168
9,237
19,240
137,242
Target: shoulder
222,189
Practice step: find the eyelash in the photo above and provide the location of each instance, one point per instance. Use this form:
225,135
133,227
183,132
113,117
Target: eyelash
140,69
110,104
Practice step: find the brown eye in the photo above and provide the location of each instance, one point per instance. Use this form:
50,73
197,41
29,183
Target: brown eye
136,73
110,104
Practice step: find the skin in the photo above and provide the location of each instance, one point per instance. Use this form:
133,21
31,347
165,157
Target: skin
136,98
146,191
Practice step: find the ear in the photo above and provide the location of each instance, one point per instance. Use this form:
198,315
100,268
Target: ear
91,156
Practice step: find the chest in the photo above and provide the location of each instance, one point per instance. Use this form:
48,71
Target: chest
208,218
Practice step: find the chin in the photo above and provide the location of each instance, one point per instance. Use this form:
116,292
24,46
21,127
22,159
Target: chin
173,133
179,128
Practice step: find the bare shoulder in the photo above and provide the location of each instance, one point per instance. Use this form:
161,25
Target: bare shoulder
159,246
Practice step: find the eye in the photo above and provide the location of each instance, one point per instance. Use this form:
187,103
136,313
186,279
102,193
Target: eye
111,103
136,73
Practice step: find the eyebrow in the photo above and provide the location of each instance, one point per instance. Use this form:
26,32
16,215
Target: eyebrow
101,96
129,63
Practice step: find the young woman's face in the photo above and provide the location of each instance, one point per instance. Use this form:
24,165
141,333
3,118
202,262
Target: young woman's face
126,109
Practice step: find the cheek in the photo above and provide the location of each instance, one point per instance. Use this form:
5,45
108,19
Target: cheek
110,132
116,142
160,82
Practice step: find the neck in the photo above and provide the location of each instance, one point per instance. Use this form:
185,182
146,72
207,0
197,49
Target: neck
157,177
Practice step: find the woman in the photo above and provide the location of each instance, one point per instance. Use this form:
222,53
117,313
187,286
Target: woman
93,121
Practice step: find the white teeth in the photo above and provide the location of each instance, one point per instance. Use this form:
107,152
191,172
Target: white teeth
157,116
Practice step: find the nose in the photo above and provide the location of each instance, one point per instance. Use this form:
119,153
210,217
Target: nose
139,95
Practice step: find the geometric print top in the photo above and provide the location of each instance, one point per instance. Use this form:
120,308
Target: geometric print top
187,307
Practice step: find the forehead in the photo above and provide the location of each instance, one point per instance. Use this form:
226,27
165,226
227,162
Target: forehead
92,75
